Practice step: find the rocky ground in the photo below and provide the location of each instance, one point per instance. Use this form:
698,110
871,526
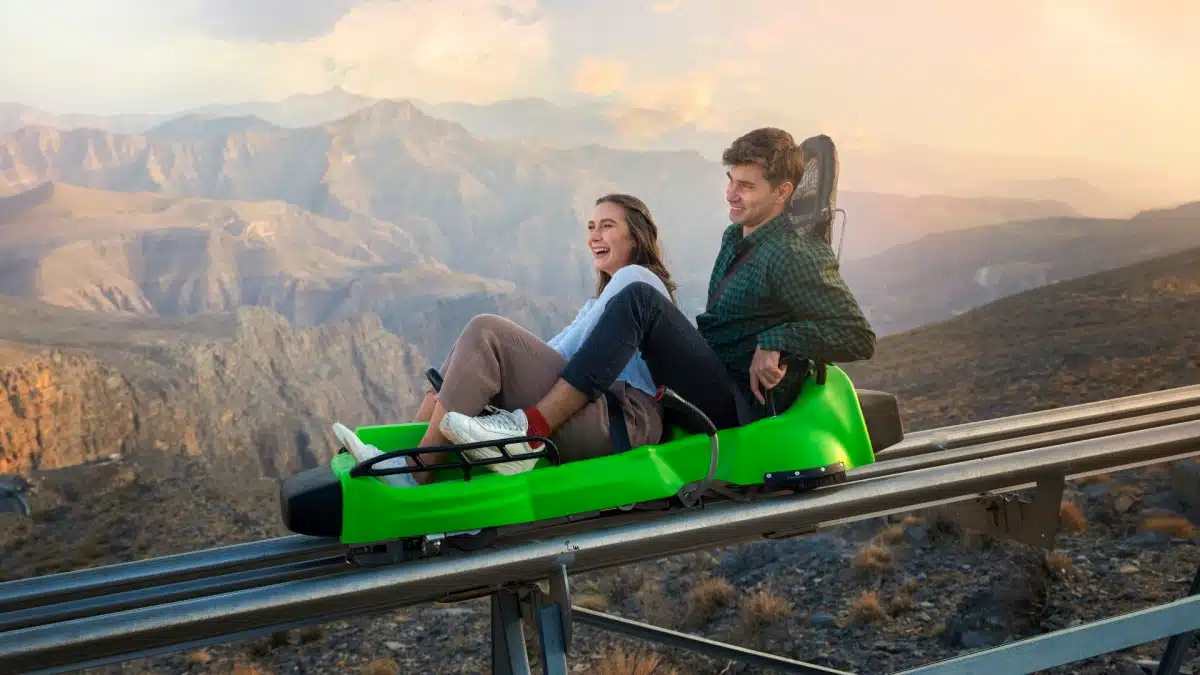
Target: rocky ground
872,597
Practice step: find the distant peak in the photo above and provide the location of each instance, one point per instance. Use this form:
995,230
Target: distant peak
386,111
199,125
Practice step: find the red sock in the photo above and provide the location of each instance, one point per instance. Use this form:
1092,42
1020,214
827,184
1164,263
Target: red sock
538,426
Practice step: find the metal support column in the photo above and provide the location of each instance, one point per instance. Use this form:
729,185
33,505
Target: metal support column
508,635
551,639
1179,644
549,612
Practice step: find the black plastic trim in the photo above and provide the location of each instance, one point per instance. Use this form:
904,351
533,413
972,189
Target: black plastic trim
311,503
805,479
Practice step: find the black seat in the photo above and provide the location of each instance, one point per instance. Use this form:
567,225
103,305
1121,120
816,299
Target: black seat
815,199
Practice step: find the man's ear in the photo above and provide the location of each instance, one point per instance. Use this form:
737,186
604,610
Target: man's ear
784,191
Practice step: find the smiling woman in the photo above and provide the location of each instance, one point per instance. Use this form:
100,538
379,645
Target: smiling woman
496,364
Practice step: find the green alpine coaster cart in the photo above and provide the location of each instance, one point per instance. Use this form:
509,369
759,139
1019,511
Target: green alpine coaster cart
828,429
813,443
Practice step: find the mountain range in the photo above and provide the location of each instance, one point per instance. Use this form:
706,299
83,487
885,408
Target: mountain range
453,193
907,166
945,274
1120,332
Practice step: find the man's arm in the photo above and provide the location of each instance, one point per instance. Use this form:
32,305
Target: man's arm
828,324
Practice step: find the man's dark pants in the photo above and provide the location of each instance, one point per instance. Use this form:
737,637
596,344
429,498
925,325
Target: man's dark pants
640,318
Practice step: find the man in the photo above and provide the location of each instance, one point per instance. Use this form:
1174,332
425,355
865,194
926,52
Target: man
775,298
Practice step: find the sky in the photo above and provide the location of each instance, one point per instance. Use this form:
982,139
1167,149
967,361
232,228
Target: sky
1108,82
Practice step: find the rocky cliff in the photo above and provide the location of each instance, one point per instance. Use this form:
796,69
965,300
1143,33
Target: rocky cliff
243,392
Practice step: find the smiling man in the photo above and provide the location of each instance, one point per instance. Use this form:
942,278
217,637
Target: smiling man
775,292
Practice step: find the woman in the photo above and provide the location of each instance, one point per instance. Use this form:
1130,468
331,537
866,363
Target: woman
496,362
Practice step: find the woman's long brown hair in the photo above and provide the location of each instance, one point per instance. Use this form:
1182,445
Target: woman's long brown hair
647,252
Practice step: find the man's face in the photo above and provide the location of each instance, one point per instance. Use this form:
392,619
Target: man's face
752,200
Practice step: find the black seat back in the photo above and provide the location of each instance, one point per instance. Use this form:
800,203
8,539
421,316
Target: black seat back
815,198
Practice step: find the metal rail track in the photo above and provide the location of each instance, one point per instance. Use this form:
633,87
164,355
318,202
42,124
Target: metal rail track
135,632
931,448
135,609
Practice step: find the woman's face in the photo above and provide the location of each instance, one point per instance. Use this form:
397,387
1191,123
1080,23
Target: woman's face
609,239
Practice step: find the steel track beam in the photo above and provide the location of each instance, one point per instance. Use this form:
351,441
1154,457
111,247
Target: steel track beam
129,633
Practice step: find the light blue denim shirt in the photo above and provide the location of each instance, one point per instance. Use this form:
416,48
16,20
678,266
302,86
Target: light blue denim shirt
570,339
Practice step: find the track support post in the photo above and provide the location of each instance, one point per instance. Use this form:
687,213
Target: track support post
550,613
1178,645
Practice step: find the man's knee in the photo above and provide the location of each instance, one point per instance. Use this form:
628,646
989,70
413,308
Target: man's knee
639,293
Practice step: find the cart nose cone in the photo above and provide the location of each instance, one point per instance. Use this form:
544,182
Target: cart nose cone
311,502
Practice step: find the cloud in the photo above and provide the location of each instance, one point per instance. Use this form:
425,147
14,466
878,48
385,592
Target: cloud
600,77
474,50
666,6
259,21
116,58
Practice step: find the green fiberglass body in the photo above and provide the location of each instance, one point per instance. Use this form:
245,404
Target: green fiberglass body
820,436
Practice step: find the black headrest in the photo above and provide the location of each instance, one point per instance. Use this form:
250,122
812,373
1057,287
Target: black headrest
815,197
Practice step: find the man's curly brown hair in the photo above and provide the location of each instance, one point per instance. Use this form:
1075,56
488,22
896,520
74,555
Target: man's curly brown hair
773,149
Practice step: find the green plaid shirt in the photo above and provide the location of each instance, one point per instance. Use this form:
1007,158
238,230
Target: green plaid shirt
784,293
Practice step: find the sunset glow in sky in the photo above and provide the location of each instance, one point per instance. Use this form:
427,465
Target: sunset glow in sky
1108,82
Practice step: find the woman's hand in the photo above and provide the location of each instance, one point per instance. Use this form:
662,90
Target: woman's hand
765,372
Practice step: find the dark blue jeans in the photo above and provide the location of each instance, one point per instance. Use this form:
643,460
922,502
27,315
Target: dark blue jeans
639,318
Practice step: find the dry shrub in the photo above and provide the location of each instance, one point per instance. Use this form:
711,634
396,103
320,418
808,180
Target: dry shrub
381,667
762,609
707,598
621,662
656,607
593,601
1174,526
248,669
620,584
1059,564
1071,518
912,519
867,608
873,557
892,533
199,657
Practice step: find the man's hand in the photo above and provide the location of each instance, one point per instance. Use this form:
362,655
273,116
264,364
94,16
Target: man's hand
765,372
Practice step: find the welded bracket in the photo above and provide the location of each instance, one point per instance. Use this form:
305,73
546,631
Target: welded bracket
1028,518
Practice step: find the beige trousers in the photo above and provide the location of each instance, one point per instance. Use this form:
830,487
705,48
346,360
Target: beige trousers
497,361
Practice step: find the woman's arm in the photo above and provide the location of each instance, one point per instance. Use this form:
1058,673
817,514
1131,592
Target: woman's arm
557,341
571,338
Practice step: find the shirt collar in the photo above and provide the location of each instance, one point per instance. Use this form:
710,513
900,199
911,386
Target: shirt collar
763,232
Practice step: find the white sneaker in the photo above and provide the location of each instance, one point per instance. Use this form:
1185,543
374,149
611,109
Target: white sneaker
362,452
460,428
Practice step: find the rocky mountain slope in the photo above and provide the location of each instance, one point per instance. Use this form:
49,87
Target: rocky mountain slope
151,254
876,221
872,597
499,210
945,274
1114,333
242,392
